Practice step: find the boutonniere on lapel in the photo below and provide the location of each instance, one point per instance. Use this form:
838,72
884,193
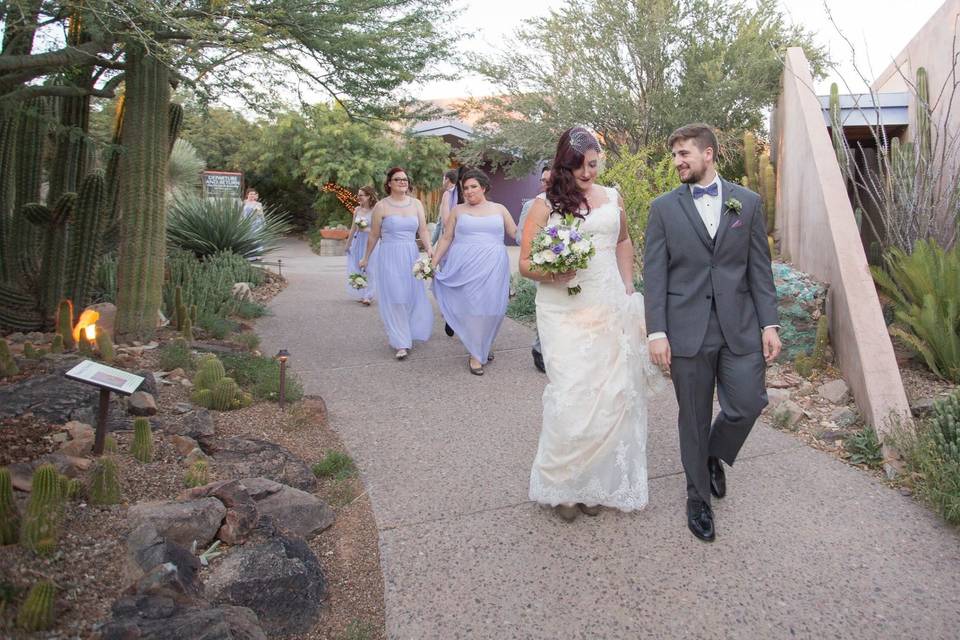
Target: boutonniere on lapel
734,206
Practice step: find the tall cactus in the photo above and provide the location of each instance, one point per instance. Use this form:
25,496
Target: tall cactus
104,488
924,127
146,141
65,323
836,131
32,135
142,448
750,159
86,233
55,248
8,366
9,516
41,525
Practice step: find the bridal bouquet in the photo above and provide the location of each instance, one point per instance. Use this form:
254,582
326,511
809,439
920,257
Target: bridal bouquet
358,280
562,247
423,269
361,223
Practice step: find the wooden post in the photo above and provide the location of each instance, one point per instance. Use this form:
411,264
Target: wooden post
102,415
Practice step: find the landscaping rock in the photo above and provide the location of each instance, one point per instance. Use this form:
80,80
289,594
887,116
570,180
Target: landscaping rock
149,384
122,422
21,473
160,618
244,458
182,407
194,456
50,397
108,316
923,407
198,425
788,414
775,397
279,578
296,511
843,417
141,403
183,444
79,430
801,300
242,514
79,448
835,391
146,549
61,437
181,522
176,374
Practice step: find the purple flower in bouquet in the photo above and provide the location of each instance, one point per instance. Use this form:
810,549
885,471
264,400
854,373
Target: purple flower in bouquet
558,249
552,231
575,236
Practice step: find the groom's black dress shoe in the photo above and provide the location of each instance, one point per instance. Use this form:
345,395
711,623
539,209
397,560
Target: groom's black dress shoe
700,520
718,479
538,361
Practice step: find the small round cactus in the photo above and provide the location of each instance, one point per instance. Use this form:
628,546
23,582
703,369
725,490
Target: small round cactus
198,474
36,612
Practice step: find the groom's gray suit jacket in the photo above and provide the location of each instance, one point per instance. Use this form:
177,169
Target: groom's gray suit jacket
685,272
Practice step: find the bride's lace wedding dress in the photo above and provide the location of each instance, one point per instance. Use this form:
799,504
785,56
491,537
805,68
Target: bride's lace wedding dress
593,444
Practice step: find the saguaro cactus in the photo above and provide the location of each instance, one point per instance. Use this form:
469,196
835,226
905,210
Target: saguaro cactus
146,140
86,233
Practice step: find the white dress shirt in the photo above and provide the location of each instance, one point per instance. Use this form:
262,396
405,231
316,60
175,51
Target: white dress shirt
709,207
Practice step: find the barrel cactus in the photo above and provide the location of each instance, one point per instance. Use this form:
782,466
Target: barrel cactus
41,525
142,448
104,486
30,351
8,366
36,612
9,515
209,372
198,474
105,346
57,345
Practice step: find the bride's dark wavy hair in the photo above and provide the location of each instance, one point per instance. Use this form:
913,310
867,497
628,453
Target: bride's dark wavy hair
562,191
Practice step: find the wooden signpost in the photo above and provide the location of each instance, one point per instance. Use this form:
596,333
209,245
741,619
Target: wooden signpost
107,379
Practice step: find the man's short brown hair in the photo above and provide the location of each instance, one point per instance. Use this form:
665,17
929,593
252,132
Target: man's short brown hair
701,134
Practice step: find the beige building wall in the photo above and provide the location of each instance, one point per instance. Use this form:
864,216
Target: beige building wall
934,49
819,235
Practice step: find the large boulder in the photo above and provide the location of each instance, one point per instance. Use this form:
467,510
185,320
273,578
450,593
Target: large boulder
801,301
278,577
297,511
50,397
181,522
198,425
242,515
160,618
147,549
238,458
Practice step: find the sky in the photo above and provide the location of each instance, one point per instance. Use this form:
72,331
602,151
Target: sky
878,29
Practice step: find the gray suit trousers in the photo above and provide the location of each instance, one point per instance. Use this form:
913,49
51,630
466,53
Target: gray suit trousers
741,390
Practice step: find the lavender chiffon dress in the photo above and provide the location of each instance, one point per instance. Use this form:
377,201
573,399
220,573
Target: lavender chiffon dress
358,247
472,286
402,299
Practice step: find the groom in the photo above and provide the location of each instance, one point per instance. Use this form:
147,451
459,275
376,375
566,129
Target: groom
711,311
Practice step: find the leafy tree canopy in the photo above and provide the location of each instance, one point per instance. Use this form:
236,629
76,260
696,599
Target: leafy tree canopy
633,70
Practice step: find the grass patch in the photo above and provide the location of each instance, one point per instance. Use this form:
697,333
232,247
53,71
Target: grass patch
358,630
522,306
864,448
249,341
176,355
340,493
218,328
335,465
250,310
261,376
932,456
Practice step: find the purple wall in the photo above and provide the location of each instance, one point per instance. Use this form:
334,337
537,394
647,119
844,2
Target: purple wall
512,192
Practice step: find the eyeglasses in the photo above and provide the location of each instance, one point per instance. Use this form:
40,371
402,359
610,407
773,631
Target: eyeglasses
399,180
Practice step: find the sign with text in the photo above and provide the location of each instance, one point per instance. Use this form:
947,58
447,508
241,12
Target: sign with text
222,184
100,375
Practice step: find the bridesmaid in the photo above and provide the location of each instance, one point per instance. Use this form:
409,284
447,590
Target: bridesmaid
357,242
403,302
472,282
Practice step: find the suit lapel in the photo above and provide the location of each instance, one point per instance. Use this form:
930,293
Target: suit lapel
690,210
726,220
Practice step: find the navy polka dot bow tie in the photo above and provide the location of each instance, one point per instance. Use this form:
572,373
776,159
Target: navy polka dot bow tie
712,190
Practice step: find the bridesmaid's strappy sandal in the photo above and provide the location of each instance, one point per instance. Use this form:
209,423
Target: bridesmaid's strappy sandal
401,354
590,511
365,302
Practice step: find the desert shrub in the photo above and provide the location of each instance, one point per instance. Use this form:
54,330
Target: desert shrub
261,376
249,341
183,169
925,288
218,327
335,465
250,310
207,283
205,226
176,354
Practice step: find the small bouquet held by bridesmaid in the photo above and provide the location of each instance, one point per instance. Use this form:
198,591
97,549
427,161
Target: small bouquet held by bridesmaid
358,280
423,269
562,247
361,223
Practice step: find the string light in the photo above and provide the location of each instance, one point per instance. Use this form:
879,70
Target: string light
346,197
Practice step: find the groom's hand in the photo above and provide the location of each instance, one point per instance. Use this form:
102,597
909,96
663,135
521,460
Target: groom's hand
660,353
771,344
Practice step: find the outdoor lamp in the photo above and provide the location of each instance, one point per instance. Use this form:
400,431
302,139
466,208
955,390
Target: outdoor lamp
282,356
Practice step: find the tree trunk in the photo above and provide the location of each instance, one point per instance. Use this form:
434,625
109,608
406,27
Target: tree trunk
142,195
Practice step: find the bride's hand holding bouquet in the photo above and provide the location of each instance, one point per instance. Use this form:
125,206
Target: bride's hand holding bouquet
560,249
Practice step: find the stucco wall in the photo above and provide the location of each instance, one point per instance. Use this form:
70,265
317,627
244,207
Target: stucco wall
933,49
819,235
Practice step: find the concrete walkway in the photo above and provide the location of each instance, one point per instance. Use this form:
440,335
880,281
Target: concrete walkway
807,546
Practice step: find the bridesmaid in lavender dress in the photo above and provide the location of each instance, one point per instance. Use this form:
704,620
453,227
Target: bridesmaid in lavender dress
403,302
357,242
472,283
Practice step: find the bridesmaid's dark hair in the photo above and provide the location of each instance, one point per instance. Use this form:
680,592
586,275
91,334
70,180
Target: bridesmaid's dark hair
390,174
451,175
478,175
562,192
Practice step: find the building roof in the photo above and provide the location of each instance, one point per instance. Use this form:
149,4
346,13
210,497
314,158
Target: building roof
445,127
864,109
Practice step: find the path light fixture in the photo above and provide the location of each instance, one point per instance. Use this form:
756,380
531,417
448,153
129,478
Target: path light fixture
282,356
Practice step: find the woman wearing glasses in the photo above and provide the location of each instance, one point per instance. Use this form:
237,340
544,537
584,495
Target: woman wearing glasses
404,305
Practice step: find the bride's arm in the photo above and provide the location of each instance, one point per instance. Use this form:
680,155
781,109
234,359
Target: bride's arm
625,250
536,220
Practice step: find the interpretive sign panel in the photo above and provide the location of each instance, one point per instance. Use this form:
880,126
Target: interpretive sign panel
100,375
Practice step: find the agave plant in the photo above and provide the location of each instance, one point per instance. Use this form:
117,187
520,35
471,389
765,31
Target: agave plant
205,226
183,171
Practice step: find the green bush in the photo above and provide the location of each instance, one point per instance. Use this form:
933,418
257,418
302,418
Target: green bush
176,354
250,310
925,288
335,465
205,226
261,376
932,455
208,284
864,448
250,341
640,177
522,306
218,328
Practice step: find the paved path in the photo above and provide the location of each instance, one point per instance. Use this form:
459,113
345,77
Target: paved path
807,546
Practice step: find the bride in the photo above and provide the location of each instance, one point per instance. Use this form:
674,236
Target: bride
592,450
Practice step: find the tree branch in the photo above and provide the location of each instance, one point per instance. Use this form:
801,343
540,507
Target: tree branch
83,54
64,92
